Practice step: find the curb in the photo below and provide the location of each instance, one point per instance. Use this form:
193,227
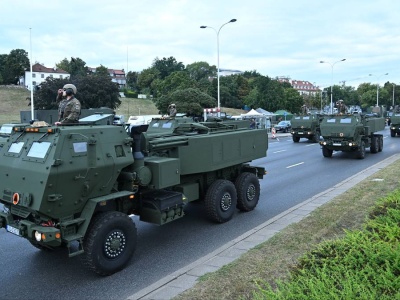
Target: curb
186,277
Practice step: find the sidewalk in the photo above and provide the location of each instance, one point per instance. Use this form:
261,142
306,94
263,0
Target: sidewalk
186,277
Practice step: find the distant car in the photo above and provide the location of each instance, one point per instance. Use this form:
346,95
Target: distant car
283,126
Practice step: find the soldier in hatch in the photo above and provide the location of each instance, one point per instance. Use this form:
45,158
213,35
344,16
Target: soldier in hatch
172,110
69,107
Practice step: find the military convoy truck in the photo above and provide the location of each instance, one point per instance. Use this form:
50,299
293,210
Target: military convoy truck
351,133
395,122
306,126
77,186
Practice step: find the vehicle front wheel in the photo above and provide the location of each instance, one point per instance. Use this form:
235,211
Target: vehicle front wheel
248,191
296,139
326,152
221,200
361,150
109,243
392,133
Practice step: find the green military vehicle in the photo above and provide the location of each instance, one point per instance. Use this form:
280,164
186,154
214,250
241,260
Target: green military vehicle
351,133
77,186
395,122
306,126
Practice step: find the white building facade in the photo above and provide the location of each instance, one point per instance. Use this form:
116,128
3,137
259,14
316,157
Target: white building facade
39,75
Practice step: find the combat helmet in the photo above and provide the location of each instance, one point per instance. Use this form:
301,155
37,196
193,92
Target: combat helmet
70,86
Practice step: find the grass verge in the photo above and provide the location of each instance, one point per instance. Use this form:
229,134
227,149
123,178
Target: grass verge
271,262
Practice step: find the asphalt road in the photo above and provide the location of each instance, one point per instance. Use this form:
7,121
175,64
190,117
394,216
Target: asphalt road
296,172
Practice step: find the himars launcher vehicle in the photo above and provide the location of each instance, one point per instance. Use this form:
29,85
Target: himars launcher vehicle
351,133
77,186
306,126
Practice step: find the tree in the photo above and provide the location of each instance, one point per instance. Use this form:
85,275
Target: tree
76,67
15,65
175,81
94,91
132,80
201,70
146,78
101,71
190,101
166,66
293,101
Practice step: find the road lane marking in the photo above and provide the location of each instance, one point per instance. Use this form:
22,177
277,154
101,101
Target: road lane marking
279,151
295,165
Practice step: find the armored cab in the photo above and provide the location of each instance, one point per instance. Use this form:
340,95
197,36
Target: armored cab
306,126
76,186
351,133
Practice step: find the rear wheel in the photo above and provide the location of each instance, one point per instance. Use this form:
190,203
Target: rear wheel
380,143
221,200
326,152
109,243
374,144
361,151
248,191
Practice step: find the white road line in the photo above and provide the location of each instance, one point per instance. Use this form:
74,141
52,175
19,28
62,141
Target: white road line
295,165
279,151
315,144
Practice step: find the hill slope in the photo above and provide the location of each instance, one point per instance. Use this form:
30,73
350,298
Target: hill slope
13,100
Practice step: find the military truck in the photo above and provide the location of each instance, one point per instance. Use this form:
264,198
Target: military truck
351,133
77,186
306,126
395,122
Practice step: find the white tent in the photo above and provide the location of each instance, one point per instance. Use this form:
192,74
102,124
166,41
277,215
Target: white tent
252,113
261,120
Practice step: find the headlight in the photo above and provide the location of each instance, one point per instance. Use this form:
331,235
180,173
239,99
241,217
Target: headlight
324,143
350,144
38,236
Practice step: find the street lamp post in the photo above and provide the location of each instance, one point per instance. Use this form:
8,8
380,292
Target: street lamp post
377,87
322,62
217,32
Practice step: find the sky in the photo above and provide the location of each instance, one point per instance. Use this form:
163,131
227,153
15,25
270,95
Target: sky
274,38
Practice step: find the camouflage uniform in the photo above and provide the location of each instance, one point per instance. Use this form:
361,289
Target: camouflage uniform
71,111
61,106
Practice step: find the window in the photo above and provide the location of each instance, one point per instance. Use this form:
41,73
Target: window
34,83
33,75
39,150
42,75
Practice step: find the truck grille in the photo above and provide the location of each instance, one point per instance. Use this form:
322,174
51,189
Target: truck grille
20,211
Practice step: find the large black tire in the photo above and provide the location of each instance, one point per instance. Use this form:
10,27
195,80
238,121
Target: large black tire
392,133
248,191
296,139
315,138
380,143
221,200
374,144
109,243
326,152
361,151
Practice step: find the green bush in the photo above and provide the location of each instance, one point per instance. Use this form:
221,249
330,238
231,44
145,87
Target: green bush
365,264
130,94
